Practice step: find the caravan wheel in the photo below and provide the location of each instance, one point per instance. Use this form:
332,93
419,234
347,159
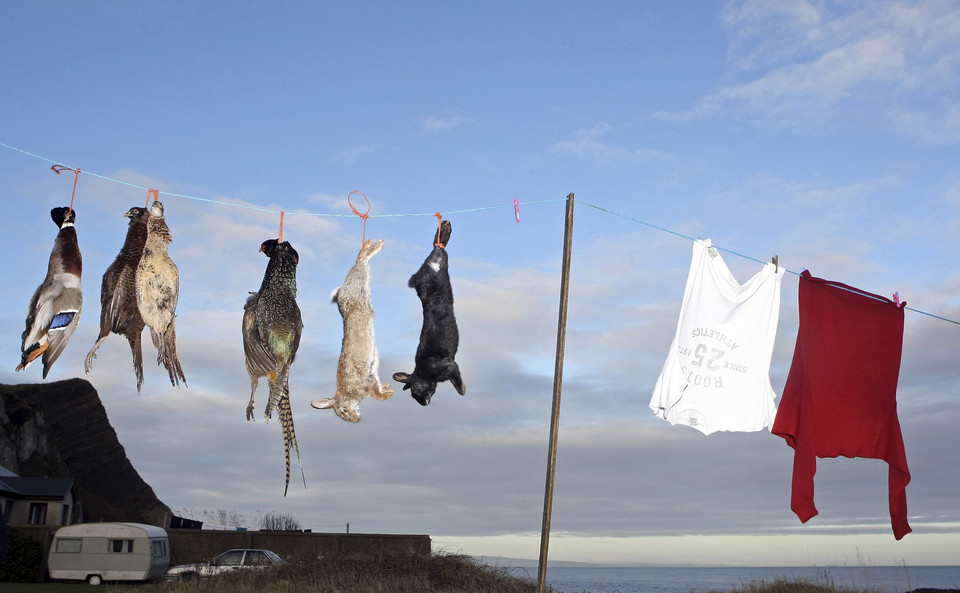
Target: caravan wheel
94,579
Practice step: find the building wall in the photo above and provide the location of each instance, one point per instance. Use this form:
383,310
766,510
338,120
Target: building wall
19,513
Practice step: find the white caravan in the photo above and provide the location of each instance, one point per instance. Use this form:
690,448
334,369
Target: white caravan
97,552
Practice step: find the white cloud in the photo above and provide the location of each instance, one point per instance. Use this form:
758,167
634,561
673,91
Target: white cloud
442,124
588,144
890,65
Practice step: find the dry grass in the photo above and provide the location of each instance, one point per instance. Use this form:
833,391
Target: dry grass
400,573
408,573
380,573
783,585
391,573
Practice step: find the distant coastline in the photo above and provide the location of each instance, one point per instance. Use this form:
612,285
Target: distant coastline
533,563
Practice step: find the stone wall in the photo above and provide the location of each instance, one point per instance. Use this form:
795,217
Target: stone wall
196,545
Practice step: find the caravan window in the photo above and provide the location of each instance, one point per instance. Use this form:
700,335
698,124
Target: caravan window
68,544
121,545
159,549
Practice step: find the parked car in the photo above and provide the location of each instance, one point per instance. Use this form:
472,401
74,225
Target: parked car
230,560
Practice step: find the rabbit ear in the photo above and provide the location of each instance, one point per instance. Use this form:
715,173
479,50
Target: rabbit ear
402,378
323,403
456,381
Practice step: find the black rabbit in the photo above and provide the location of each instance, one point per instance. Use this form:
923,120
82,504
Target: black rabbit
439,337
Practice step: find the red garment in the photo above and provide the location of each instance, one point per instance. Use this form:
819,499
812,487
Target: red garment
841,394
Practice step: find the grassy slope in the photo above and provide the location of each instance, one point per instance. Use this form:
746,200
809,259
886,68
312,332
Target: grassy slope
382,573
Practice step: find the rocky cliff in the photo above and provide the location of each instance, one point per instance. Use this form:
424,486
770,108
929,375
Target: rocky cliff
42,437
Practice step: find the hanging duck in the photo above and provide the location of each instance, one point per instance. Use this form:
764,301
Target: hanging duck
272,326
118,293
158,288
54,310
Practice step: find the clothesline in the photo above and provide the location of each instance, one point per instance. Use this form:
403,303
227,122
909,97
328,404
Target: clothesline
262,208
461,211
732,252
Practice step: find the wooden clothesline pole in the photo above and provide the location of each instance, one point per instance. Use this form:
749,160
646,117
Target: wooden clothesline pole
557,390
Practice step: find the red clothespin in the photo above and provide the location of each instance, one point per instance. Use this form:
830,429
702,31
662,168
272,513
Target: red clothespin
152,193
516,209
280,234
896,300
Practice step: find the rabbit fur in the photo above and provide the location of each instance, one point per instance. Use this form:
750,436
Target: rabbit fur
439,336
357,372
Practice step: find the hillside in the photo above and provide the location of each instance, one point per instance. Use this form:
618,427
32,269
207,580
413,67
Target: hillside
61,429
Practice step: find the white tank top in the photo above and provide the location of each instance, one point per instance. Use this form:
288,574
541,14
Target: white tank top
717,373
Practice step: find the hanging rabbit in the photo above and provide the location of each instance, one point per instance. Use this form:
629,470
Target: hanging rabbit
439,336
357,372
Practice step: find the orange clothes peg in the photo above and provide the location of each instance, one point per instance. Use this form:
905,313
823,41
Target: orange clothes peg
439,224
364,216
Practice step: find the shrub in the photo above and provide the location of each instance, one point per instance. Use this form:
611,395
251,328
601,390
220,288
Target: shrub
23,560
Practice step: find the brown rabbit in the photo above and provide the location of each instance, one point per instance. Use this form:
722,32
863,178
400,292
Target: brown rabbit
359,359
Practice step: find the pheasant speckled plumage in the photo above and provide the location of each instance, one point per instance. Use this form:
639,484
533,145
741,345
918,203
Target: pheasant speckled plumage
158,288
54,310
272,326
119,312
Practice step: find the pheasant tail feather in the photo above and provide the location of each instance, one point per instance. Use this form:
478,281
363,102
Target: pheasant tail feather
167,353
289,438
137,352
278,390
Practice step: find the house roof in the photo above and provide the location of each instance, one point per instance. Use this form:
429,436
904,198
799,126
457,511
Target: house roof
36,487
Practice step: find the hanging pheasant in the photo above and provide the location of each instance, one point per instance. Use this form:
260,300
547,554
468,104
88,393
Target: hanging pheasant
118,293
54,310
271,336
158,288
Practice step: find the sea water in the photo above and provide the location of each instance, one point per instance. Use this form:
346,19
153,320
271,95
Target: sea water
602,579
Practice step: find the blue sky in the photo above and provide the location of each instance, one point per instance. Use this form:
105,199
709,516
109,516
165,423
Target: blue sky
824,132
